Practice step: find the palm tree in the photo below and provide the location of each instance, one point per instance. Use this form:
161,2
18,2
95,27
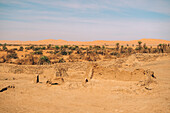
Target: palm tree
139,42
117,46
160,48
122,49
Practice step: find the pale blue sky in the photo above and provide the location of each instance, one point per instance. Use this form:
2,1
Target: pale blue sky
84,20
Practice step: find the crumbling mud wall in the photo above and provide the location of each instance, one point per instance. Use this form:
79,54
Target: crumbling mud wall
96,71
82,70
149,57
47,71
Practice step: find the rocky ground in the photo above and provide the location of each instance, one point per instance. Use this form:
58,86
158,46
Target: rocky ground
137,84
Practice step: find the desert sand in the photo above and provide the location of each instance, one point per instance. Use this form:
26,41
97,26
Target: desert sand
115,86
152,42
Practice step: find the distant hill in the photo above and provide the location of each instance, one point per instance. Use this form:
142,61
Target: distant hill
97,42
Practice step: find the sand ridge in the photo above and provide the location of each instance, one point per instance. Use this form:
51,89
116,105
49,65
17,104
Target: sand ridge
97,42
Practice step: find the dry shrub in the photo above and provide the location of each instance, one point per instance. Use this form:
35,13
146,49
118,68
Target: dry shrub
43,60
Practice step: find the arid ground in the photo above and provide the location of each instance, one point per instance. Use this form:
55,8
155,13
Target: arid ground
134,83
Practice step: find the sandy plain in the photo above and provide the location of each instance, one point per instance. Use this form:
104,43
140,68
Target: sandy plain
98,95
138,83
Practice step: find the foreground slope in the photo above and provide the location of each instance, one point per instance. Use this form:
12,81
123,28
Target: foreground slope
98,95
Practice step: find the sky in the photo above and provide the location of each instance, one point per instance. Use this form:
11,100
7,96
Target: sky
84,20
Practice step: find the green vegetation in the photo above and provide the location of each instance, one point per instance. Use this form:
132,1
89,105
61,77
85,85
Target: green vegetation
117,46
38,53
140,47
43,48
44,60
57,47
63,52
65,46
27,48
32,47
4,47
14,49
61,60
12,55
79,53
21,48
137,48
49,46
5,44
70,52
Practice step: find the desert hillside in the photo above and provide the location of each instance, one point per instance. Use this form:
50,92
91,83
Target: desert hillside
132,86
97,42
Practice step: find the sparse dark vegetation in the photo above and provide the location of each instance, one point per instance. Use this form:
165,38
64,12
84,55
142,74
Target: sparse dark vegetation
74,53
61,60
4,47
44,60
38,53
21,48
140,47
12,55
117,46
63,53
57,47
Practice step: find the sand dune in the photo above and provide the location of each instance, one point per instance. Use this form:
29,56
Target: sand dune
97,42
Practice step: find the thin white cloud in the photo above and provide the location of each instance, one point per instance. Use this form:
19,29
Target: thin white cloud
160,6
103,30
31,22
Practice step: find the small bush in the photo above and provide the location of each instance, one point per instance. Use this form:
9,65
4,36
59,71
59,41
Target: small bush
51,52
137,48
14,49
43,60
70,52
78,52
97,47
4,48
5,44
57,47
61,47
12,55
155,50
55,52
83,48
130,50
145,47
32,47
114,53
76,46
43,48
90,47
36,48
27,48
63,52
49,46
38,53
61,60
65,46
21,48
73,48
